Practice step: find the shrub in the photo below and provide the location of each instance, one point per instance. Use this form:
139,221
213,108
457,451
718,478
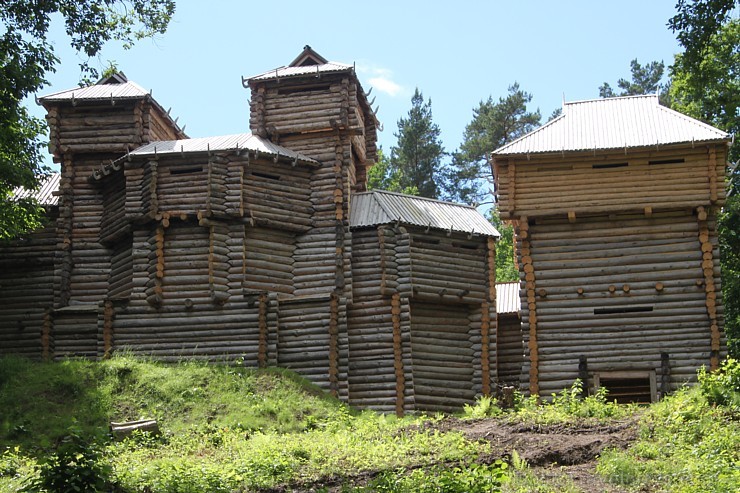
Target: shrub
722,387
76,465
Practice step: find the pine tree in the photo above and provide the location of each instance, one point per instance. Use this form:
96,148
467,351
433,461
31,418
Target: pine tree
494,124
416,159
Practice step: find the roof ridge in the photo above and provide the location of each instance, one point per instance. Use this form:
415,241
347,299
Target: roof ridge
418,197
613,98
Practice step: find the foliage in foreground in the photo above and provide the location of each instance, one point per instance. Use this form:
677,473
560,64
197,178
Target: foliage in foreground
688,442
226,428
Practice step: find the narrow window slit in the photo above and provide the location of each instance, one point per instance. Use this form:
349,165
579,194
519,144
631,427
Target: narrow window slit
622,309
609,165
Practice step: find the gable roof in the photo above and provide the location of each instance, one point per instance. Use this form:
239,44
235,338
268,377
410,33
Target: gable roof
613,123
381,207
115,87
244,141
307,62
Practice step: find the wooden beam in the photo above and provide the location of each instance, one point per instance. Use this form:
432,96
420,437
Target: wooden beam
262,351
534,388
334,345
398,352
485,329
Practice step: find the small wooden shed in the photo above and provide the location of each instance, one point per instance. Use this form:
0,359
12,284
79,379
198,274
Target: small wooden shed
615,205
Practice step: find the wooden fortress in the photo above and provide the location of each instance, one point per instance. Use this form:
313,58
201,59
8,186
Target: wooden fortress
263,246
615,206
266,246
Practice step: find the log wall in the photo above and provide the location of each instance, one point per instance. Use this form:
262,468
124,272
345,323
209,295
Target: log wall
27,290
661,178
620,290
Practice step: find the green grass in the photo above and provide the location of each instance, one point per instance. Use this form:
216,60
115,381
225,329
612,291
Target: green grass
688,442
227,428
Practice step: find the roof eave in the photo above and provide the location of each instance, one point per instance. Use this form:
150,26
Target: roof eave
658,146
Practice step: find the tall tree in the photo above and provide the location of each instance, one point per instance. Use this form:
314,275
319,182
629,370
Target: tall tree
416,159
645,80
382,177
706,85
469,179
26,56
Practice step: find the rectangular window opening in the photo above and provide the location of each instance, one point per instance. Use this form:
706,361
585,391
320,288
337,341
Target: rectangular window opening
428,241
186,170
667,161
466,246
628,387
609,165
622,309
265,175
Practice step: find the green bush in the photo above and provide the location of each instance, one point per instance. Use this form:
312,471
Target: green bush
722,387
75,466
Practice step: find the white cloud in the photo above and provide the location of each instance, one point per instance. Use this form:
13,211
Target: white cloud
385,85
381,79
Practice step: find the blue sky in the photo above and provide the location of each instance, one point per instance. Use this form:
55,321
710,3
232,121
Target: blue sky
457,53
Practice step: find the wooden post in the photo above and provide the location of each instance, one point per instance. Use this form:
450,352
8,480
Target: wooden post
665,374
107,328
709,286
534,386
334,344
398,352
381,246
65,224
262,351
485,328
712,173
583,374
512,188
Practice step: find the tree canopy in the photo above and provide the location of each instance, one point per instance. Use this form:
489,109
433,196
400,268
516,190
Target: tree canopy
494,124
416,160
646,79
27,56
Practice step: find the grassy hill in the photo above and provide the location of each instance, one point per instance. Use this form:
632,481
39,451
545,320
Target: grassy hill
228,428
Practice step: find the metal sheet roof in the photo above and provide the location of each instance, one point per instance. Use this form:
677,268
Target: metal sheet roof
507,297
282,72
613,123
45,194
380,207
125,90
246,141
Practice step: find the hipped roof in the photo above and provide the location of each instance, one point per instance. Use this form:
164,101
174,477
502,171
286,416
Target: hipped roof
381,207
243,141
613,123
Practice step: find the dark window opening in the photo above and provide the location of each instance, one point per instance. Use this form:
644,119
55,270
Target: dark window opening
186,170
303,89
466,246
627,390
428,241
265,175
622,309
609,165
667,161
555,168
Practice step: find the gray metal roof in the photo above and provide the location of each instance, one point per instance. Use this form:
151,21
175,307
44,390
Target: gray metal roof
613,123
246,141
99,92
282,72
380,207
507,297
45,194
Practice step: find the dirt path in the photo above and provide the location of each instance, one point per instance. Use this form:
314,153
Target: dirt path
553,451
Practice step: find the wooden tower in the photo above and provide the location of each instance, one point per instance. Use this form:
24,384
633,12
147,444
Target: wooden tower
615,205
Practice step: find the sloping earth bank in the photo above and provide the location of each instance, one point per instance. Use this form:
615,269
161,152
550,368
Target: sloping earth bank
550,451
